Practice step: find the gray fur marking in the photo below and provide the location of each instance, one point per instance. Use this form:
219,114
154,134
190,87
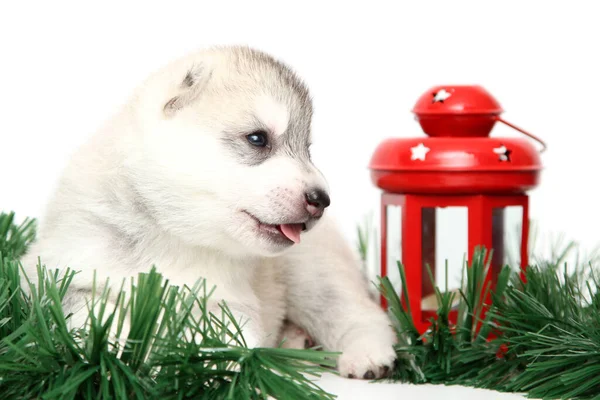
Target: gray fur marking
188,81
285,86
192,85
245,152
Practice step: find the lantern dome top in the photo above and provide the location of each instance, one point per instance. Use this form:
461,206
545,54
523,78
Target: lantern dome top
457,100
458,157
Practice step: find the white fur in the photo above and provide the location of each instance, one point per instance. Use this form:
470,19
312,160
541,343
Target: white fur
157,187
275,115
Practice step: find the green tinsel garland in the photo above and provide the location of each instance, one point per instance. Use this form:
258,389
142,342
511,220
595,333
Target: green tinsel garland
547,339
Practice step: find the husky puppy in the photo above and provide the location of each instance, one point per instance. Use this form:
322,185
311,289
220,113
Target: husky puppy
206,173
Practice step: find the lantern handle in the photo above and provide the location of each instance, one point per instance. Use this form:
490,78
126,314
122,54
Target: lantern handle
540,141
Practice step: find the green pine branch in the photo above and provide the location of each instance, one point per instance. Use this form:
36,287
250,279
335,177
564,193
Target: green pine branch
175,349
541,337
15,239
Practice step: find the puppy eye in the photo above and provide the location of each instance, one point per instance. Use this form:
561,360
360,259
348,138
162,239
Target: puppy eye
258,139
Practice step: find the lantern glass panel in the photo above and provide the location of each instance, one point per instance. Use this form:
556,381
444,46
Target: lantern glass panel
394,245
507,223
444,242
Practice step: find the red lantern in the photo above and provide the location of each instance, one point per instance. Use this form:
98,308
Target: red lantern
456,165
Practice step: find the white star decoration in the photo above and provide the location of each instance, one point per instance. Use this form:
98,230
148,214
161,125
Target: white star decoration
440,96
419,152
503,153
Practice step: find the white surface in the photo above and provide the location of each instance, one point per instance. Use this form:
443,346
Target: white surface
352,389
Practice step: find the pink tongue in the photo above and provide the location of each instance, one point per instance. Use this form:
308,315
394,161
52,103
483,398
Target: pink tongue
292,231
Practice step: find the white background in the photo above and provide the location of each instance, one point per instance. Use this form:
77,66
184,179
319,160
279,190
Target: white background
66,67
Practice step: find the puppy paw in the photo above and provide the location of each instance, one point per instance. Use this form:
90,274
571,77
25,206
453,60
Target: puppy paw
295,337
367,360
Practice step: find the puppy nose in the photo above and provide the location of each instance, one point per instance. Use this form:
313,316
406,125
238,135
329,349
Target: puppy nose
316,201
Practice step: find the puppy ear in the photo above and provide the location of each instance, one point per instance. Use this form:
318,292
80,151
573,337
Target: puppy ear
190,89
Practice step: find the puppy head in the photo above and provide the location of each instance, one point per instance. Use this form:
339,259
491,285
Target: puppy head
225,158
